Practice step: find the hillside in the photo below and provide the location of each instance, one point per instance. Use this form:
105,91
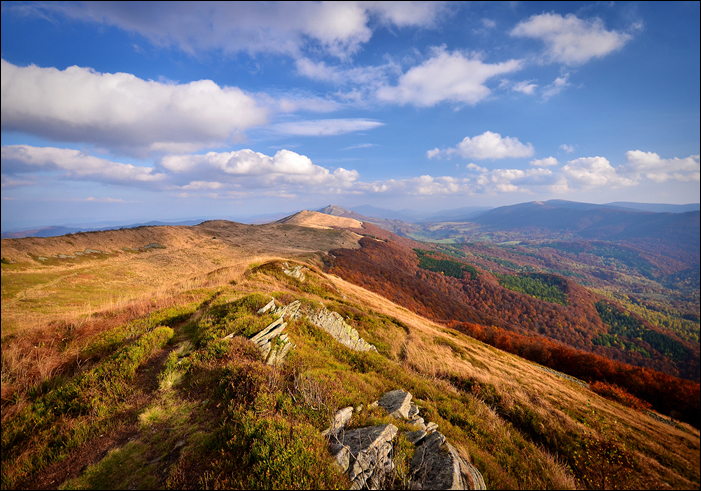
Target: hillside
165,389
79,273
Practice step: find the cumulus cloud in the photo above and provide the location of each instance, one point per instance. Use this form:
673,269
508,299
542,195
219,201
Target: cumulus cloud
485,146
338,28
571,40
123,112
590,172
544,162
567,148
475,167
452,77
254,170
657,169
17,159
325,127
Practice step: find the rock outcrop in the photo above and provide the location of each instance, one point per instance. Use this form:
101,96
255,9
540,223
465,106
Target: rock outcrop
331,322
366,453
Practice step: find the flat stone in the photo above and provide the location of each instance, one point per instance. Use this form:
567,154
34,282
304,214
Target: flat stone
267,307
415,437
438,465
413,410
370,449
340,420
396,403
267,329
431,427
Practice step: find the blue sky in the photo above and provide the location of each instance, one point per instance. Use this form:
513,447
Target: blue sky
144,111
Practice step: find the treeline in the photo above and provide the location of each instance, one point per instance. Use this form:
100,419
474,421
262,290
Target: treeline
391,270
667,394
518,323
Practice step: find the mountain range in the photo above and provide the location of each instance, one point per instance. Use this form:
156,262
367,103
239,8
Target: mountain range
558,349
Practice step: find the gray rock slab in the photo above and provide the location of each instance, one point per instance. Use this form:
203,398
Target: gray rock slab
340,420
438,465
370,450
268,306
415,437
397,403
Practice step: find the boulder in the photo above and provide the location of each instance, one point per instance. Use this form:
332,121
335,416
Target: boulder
340,420
397,403
370,452
437,465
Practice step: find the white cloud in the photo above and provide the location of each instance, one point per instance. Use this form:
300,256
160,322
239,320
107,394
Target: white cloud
509,180
525,87
74,164
475,167
488,23
556,87
452,77
594,172
567,148
254,170
325,127
571,40
338,28
123,112
547,162
485,146
657,169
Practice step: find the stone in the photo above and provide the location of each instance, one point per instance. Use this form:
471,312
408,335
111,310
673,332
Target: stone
415,437
340,420
397,403
438,465
341,455
268,306
370,454
267,330
419,423
413,410
431,427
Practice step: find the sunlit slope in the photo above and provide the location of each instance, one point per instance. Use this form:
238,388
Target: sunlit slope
54,278
201,411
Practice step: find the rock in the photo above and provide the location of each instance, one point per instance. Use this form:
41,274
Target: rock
437,465
397,403
419,423
341,454
265,334
370,452
340,420
358,408
268,306
431,427
415,437
413,410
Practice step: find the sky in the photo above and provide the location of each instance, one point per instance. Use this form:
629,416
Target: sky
119,111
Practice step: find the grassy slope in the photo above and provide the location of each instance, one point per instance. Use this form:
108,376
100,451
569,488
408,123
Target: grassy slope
196,412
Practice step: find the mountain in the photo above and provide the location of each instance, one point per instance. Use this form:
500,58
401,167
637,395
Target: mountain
655,207
56,231
216,356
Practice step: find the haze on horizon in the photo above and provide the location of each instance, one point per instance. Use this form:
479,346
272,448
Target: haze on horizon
156,111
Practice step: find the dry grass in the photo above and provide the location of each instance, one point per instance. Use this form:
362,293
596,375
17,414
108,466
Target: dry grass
521,408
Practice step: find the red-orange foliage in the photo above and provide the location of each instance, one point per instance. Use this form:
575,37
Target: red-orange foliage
520,324
616,393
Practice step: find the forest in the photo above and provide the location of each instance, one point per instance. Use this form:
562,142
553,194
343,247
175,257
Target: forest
563,337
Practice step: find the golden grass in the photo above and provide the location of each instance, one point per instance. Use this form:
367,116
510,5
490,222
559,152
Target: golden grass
169,277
